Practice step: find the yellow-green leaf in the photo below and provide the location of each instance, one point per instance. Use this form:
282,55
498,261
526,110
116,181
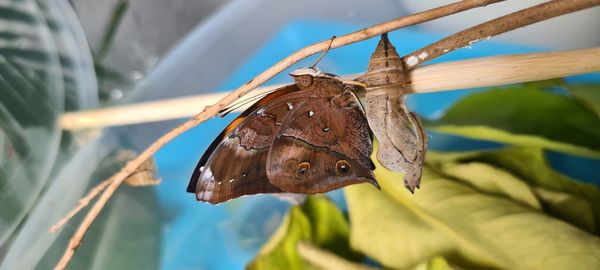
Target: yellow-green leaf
579,203
492,180
587,94
469,228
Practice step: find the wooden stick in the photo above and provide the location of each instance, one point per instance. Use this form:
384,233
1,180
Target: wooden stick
481,72
211,111
505,69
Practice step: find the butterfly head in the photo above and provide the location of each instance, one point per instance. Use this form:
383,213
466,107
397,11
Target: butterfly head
305,77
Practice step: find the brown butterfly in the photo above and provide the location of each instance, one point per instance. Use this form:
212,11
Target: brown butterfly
308,137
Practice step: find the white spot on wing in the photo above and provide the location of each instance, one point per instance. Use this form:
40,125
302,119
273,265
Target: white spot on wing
207,174
423,55
311,113
290,105
207,195
210,186
231,180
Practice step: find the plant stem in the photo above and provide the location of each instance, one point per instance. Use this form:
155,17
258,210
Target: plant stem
83,202
497,26
109,35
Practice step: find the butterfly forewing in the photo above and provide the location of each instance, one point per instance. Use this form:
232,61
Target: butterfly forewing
234,164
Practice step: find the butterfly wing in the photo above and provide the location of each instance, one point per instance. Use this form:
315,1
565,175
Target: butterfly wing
324,144
235,163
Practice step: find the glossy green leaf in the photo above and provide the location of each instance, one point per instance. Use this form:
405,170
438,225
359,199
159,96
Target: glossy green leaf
587,94
525,116
318,221
44,70
469,226
30,137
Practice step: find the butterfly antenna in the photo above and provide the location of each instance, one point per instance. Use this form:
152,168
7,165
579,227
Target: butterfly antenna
324,53
357,99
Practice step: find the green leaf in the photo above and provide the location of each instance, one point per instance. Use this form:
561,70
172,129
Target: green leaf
561,196
9,36
587,94
319,221
468,227
525,116
28,113
492,180
44,70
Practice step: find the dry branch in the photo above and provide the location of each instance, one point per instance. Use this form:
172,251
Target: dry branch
83,202
497,26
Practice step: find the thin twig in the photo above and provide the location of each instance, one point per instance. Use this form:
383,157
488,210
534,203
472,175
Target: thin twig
83,202
211,111
479,72
497,26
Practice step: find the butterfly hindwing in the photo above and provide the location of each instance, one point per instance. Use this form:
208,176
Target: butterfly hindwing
323,144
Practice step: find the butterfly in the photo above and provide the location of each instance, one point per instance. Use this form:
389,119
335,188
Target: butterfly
308,137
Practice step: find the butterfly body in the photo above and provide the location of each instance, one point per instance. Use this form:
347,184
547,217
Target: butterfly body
309,137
